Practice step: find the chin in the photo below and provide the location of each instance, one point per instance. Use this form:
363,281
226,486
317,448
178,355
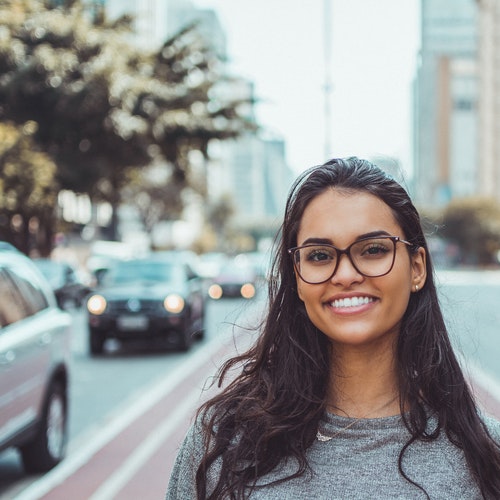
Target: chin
357,338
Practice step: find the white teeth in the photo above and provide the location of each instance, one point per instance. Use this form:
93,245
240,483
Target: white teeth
351,302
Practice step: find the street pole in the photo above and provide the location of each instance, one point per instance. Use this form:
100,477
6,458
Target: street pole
327,47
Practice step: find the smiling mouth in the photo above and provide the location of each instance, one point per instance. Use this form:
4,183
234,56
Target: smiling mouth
351,302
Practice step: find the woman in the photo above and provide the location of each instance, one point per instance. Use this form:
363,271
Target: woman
352,389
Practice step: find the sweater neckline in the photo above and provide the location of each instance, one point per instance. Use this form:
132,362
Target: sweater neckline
336,423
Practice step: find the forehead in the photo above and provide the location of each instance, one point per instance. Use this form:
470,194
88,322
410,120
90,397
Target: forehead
343,216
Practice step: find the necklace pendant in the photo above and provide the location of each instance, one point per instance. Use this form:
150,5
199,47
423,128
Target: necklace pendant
322,437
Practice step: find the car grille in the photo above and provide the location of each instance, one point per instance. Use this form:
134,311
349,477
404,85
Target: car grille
134,306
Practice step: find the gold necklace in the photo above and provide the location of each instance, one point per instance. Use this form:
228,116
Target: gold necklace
323,437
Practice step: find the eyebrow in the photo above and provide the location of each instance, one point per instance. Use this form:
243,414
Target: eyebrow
328,241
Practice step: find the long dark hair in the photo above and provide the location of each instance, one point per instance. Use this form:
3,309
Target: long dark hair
272,409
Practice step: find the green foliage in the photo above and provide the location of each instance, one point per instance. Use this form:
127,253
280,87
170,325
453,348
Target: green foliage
474,224
105,107
27,187
154,198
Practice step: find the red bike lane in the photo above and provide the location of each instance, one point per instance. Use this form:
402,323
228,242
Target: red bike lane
134,461
132,456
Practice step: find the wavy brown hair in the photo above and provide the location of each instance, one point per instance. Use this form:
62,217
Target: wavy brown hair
272,409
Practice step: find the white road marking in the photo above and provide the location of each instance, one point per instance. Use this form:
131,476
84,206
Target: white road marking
122,475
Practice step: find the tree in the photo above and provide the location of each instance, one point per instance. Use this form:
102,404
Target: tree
154,194
103,106
473,223
27,190
219,214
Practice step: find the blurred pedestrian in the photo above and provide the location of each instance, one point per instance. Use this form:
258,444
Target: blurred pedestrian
352,389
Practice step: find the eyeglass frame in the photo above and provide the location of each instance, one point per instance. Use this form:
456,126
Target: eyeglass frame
346,251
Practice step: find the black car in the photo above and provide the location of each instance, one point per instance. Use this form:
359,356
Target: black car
147,299
65,282
237,279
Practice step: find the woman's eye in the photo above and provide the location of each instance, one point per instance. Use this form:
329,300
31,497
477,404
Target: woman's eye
376,250
319,256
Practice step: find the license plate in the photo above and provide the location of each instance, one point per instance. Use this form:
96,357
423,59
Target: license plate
132,322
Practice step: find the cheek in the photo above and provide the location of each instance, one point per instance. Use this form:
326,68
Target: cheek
298,285
310,295
401,301
299,291
398,294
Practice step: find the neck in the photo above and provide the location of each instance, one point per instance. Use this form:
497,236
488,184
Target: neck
363,386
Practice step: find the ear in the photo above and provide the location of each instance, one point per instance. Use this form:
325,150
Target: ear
418,269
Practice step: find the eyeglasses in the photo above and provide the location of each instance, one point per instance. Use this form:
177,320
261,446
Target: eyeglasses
371,257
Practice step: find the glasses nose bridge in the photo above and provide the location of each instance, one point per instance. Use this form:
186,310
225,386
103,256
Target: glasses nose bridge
347,253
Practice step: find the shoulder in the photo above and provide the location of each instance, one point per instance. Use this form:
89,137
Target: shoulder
192,446
192,451
182,483
493,426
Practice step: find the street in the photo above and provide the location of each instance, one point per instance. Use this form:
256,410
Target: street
130,409
106,388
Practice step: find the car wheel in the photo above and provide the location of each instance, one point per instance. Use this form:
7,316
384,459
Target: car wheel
48,447
96,342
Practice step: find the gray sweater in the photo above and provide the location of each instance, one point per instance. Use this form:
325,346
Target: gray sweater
360,463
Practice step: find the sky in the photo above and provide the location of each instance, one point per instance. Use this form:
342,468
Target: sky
373,48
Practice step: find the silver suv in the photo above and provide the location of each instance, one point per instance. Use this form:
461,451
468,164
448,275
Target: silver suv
34,364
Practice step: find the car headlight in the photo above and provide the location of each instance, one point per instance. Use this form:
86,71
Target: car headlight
96,304
174,303
215,292
247,291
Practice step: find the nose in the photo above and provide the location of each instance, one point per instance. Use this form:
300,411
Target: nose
346,274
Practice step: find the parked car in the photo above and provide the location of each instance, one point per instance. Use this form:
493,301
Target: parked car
157,297
237,279
68,287
34,364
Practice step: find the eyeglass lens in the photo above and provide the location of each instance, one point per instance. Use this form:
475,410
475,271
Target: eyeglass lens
371,257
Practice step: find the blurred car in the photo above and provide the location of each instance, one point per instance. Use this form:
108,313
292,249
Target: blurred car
237,279
210,264
103,254
157,297
259,261
34,364
67,285
7,246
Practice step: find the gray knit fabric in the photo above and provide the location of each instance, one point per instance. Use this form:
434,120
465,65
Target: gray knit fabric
359,463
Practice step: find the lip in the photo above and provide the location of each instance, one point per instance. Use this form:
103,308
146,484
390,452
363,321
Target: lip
343,303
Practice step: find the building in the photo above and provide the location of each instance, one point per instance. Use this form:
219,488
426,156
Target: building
489,97
252,172
446,103
181,13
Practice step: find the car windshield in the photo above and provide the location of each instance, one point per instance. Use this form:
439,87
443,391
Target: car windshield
142,271
236,271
